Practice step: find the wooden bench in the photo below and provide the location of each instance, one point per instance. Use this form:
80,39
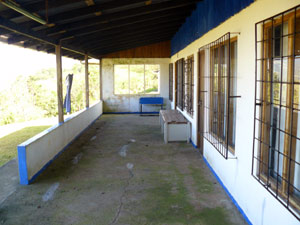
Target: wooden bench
174,126
151,101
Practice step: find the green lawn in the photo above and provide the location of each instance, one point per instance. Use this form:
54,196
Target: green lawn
9,143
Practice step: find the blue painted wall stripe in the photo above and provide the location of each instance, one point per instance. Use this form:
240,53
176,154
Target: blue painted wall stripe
207,15
22,165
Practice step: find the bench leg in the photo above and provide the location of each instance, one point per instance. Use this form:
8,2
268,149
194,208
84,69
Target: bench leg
159,119
166,133
188,132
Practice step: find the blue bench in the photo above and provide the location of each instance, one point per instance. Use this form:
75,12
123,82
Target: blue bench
151,101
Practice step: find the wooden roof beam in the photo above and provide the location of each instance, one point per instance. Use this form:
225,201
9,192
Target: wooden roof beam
145,20
107,34
37,7
4,23
130,38
131,13
104,52
135,42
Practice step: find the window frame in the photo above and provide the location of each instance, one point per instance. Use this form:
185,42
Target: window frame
136,64
180,83
220,144
280,187
189,85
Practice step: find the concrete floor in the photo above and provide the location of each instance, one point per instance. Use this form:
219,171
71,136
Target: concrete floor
120,172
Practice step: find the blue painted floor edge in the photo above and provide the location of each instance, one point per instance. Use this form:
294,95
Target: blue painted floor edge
224,187
60,152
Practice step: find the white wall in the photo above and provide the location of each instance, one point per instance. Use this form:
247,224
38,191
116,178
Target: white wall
130,103
42,148
258,204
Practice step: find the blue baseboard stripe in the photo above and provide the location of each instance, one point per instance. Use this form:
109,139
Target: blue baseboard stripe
131,113
23,163
228,193
195,146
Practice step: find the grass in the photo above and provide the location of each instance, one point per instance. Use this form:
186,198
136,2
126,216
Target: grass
9,143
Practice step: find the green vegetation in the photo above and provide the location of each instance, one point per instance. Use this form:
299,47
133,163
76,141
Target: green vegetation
34,97
201,183
168,203
9,143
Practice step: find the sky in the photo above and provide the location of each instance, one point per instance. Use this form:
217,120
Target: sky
15,61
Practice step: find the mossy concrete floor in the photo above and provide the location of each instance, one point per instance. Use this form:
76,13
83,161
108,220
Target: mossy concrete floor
120,172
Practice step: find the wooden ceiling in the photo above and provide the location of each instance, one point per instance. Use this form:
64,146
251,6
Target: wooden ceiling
94,27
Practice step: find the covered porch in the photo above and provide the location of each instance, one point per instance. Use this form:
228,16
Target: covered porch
230,68
120,172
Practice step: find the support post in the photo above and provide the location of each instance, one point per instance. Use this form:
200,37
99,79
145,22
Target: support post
59,84
87,102
100,73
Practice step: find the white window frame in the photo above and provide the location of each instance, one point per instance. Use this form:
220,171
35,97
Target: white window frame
143,94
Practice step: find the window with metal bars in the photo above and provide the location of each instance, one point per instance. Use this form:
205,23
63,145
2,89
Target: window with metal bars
189,85
180,83
171,81
219,90
276,145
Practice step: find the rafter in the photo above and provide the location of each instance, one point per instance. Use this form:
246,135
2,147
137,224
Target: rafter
131,14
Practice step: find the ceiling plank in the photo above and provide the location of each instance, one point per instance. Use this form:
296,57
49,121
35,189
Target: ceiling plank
139,28
135,42
37,7
103,52
131,13
129,38
28,33
146,20
78,13
99,8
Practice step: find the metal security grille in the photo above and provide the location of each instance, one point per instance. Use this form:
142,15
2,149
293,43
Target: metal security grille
180,83
219,95
276,145
189,85
171,81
